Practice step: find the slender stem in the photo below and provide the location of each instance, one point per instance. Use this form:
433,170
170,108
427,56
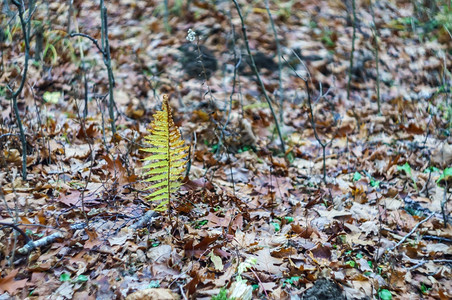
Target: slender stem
85,86
311,111
443,204
168,147
92,156
102,34
375,32
69,15
99,105
22,138
278,51
26,32
73,34
259,80
314,128
107,61
104,49
234,82
350,71
166,16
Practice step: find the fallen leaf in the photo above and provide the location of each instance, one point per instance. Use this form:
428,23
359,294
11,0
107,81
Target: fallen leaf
8,284
216,260
153,294
268,263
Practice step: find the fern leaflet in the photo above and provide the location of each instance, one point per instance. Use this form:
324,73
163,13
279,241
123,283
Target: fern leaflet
166,163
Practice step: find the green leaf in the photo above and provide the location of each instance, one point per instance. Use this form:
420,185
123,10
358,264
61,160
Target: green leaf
293,279
431,169
159,197
201,223
222,295
424,289
288,219
447,173
82,278
384,294
406,168
351,263
356,176
65,277
359,255
276,226
374,183
154,284
51,97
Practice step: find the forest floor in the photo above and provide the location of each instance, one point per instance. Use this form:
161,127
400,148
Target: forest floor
357,206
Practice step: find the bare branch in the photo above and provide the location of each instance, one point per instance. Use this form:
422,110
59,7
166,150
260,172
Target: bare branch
144,220
410,233
39,243
73,34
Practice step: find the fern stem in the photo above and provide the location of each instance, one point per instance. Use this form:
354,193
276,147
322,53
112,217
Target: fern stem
168,147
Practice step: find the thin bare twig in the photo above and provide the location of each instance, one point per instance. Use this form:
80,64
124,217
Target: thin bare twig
278,51
312,119
420,263
353,49
443,204
25,24
95,42
259,80
104,49
377,63
181,288
8,134
410,233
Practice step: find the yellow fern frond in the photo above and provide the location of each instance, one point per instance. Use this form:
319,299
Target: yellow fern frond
165,165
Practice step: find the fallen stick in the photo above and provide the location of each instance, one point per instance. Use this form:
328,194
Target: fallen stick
410,233
419,263
144,220
31,245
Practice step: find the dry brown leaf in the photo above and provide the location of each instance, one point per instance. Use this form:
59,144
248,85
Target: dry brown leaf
443,157
267,263
8,284
153,294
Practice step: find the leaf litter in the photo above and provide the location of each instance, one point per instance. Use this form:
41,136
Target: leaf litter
385,173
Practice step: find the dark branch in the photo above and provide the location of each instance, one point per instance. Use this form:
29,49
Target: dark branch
15,227
73,34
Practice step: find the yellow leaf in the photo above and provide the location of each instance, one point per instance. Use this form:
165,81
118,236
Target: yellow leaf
167,160
216,260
